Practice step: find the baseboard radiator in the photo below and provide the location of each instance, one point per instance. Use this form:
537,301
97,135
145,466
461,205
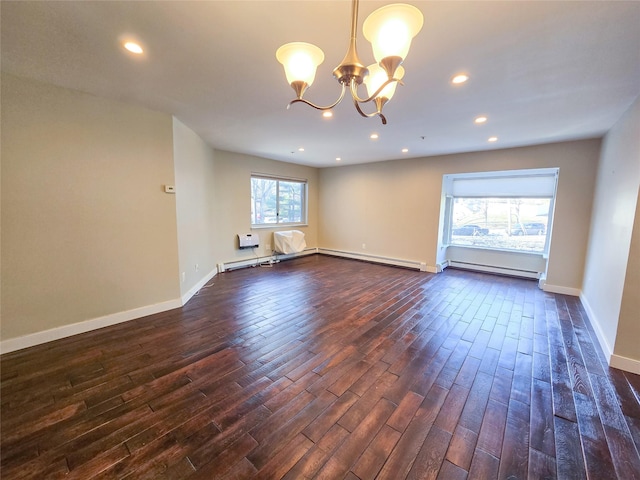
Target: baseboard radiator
263,260
270,259
514,272
375,259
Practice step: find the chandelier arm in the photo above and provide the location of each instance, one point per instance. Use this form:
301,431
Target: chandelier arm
354,90
369,115
318,107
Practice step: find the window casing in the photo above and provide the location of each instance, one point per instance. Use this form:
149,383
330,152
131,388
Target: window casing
510,211
278,201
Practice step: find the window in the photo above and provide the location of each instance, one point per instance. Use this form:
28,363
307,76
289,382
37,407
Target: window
500,210
278,201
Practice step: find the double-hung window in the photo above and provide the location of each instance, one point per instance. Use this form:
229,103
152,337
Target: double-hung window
510,210
278,201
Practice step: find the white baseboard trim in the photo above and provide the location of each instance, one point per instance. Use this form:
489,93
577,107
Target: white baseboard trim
626,364
615,361
32,339
574,292
423,267
602,340
196,288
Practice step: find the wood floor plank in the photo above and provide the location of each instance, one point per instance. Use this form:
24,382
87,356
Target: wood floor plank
492,430
318,454
404,454
356,443
407,408
361,408
221,464
163,458
451,410
376,453
542,466
461,448
450,471
568,449
279,464
278,438
327,419
514,458
322,367
475,406
431,456
541,424
484,466
620,444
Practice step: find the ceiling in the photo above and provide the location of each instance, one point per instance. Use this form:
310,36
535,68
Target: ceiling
540,71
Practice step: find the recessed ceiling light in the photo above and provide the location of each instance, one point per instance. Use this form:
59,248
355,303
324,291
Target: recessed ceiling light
405,150
460,78
338,159
373,136
133,47
492,139
480,119
327,114
301,149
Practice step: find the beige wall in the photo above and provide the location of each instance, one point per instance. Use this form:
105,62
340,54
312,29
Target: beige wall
233,202
628,338
610,256
195,204
385,209
394,207
87,230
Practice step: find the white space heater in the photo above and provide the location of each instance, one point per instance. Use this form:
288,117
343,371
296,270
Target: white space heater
248,240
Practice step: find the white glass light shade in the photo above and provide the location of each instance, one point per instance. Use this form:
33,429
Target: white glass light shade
377,76
300,61
391,28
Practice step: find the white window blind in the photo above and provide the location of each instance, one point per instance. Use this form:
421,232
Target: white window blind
539,184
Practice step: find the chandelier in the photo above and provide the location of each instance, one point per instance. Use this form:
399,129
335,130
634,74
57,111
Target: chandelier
389,29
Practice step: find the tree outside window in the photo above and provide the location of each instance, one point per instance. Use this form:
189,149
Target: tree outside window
276,201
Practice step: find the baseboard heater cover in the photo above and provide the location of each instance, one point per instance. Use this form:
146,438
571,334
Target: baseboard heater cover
377,259
252,262
515,272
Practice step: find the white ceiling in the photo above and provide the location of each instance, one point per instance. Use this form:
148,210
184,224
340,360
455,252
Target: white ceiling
541,71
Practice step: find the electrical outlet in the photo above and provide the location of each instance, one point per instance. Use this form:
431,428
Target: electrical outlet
267,247
197,267
184,277
364,246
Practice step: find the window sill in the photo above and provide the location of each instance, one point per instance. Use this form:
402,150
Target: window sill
543,255
278,225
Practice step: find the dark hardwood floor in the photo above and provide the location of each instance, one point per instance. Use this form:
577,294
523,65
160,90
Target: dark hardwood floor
328,368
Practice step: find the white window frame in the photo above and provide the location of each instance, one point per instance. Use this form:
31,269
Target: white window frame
278,178
516,184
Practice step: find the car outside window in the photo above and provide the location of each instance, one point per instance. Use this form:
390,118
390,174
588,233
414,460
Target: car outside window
500,223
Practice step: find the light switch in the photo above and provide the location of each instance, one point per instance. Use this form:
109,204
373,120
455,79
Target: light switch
169,189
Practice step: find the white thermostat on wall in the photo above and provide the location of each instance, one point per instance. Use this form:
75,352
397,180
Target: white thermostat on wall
248,240
169,189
